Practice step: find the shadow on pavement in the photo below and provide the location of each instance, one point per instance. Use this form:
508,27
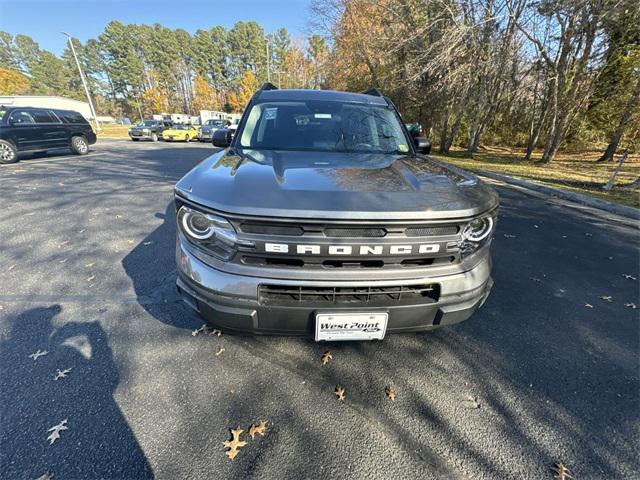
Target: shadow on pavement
98,442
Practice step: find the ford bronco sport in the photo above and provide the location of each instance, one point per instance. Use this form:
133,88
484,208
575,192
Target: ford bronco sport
322,217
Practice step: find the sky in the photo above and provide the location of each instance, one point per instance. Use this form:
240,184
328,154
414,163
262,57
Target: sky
44,20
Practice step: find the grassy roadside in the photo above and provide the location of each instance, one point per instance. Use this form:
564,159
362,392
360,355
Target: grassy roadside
576,172
114,131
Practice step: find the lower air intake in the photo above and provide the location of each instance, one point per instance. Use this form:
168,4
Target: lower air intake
397,294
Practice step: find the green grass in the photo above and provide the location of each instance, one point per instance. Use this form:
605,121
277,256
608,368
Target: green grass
576,172
114,131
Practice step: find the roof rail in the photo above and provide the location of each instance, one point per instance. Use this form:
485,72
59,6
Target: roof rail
268,86
372,91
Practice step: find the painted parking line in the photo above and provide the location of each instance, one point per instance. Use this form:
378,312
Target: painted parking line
24,163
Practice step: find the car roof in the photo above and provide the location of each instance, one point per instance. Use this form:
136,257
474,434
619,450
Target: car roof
325,95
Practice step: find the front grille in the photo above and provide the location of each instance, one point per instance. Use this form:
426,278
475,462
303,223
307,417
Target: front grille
283,238
273,229
431,231
355,232
339,231
404,294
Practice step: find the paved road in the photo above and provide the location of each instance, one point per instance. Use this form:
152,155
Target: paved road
87,274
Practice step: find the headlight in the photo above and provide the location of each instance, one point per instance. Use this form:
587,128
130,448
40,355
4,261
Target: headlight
478,229
145,130
477,233
210,232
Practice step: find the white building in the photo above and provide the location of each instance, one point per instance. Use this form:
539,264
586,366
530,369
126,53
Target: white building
47,102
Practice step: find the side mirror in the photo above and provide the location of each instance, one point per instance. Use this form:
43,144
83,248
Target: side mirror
221,138
423,145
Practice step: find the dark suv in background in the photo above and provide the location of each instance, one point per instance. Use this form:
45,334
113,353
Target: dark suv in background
40,129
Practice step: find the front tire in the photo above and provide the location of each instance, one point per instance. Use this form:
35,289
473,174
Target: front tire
8,152
187,139
135,139
154,137
79,145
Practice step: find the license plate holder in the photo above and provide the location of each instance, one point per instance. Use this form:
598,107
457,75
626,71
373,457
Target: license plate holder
350,326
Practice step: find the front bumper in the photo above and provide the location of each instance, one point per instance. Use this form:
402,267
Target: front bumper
205,135
231,302
144,136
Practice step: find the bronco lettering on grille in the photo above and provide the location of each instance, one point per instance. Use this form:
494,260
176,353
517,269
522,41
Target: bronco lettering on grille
351,249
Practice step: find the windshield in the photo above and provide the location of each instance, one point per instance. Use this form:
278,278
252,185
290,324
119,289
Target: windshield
147,123
215,123
323,126
179,127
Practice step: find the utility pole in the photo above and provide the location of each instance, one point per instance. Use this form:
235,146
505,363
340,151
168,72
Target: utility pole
84,82
268,58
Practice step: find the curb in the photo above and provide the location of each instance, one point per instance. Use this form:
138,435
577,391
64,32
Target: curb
610,207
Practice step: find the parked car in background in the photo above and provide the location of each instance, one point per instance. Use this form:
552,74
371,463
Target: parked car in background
234,126
149,130
177,133
225,134
40,129
210,126
416,131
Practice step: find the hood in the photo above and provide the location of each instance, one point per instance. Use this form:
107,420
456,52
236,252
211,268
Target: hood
334,186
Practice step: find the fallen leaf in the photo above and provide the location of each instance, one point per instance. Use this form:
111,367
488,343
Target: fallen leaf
11,268
45,476
235,443
1,307
506,235
146,244
631,305
203,329
219,351
55,431
561,472
92,277
588,234
61,184
588,305
130,242
64,260
82,231
38,354
391,393
118,216
339,392
215,332
89,265
606,298
564,236
629,277
60,245
257,429
326,356
470,402
62,373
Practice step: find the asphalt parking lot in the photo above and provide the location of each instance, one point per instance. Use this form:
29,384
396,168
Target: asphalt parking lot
87,274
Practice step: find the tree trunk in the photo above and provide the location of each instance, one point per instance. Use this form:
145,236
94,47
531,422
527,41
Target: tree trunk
553,144
443,134
454,132
626,116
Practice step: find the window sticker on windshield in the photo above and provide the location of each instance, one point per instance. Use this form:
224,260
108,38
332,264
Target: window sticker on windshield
271,113
403,148
322,115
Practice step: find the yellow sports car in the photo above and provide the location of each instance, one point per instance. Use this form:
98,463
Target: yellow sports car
180,133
